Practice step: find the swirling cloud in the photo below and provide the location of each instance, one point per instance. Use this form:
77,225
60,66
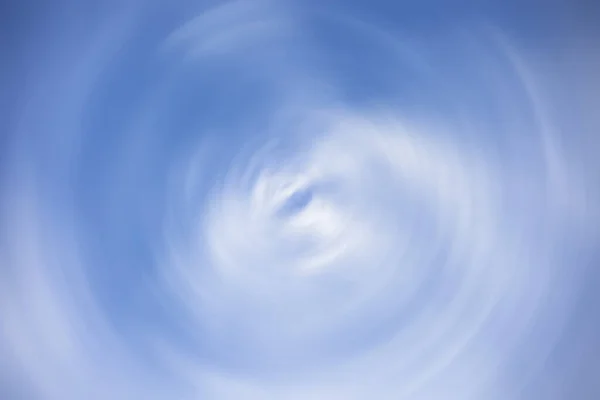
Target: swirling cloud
281,201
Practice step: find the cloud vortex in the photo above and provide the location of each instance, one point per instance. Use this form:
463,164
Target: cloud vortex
287,200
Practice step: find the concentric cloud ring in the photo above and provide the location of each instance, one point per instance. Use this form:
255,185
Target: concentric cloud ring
283,201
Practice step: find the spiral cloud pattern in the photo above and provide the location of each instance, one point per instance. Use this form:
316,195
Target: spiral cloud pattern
299,200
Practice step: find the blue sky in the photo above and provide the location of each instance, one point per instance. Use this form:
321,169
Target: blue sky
291,200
